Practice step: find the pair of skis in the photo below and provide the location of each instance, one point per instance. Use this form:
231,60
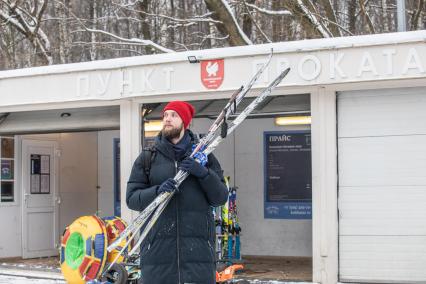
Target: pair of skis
227,228
206,145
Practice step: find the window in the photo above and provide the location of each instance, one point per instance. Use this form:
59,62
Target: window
7,169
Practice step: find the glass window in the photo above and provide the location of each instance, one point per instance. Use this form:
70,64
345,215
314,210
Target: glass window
7,147
7,163
7,191
7,169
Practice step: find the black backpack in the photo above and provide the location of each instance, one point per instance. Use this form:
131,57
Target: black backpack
148,155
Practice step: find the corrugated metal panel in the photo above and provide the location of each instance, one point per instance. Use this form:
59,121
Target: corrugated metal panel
382,186
382,112
389,160
390,259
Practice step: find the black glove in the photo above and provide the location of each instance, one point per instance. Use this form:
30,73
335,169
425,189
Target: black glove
193,167
168,186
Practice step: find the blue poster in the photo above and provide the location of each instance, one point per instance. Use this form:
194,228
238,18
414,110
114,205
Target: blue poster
288,175
117,191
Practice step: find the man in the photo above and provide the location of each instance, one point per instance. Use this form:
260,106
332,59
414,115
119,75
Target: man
180,246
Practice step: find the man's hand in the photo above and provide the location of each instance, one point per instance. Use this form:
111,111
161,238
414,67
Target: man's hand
193,167
168,186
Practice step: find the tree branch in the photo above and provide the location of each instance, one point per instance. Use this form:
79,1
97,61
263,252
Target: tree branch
366,16
135,41
269,12
229,25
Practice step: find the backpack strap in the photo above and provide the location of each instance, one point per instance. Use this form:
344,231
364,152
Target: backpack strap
148,155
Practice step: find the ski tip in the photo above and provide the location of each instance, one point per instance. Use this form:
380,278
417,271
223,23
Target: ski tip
286,71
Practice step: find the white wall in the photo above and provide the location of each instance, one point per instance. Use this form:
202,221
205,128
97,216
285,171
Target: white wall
245,166
10,214
77,187
106,172
78,176
10,237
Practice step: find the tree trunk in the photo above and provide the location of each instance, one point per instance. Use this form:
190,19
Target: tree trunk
276,22
331,16
312,26
247,20
352,16
416,17
228,26
146,31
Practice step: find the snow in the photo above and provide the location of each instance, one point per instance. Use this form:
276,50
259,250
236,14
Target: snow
257,281
251,50
31,274
243,35
270,12
324,32
133,40
5,279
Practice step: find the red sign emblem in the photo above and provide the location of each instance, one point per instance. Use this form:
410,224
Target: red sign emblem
212,73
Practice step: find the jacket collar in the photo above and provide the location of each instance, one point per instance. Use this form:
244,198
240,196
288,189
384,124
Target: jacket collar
165,147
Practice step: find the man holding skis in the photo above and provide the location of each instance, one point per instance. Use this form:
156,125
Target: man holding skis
180,246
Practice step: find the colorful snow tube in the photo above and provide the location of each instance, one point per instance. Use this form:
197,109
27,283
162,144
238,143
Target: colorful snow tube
114,227
83,250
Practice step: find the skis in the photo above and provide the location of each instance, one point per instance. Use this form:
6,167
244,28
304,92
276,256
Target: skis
227,237
229,109
243,115
209,142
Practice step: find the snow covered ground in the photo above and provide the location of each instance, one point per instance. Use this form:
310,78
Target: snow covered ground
5,279
24,280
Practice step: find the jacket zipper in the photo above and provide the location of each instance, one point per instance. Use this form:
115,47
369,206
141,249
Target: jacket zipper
177,230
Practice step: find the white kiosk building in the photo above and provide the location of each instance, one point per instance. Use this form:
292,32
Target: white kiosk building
366,96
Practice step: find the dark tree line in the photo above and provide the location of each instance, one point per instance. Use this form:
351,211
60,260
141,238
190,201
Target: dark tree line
44,32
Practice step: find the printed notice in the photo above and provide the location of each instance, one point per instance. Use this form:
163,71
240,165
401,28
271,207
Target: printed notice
45,164
45,184
288,175
35,184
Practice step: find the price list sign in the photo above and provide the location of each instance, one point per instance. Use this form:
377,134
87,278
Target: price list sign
288,175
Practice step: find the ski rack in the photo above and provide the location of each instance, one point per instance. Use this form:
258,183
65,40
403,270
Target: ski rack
207,144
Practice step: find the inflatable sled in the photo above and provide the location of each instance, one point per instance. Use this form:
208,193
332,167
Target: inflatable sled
84,252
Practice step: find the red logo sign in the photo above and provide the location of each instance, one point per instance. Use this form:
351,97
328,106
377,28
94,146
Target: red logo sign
212,73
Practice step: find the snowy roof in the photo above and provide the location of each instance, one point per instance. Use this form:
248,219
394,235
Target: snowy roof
248,50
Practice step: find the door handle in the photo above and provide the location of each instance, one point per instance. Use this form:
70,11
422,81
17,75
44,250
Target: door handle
26,196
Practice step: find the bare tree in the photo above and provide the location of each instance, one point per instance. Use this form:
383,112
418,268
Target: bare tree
416,15
25,17
40,32
228,23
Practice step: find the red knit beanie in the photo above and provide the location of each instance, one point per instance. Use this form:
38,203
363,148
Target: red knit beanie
185,110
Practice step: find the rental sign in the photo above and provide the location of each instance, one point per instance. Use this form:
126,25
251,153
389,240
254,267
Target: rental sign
307,68
119,79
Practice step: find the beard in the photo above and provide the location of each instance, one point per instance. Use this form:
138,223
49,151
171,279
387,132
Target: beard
172,133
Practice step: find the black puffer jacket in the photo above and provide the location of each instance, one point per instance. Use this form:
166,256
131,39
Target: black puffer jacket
180,246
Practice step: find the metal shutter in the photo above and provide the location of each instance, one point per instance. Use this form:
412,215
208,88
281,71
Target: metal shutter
382,185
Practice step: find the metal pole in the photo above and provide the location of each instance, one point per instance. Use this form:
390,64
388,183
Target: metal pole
400,8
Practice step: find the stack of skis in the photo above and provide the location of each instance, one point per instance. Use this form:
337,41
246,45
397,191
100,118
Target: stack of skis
215,135
228,229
